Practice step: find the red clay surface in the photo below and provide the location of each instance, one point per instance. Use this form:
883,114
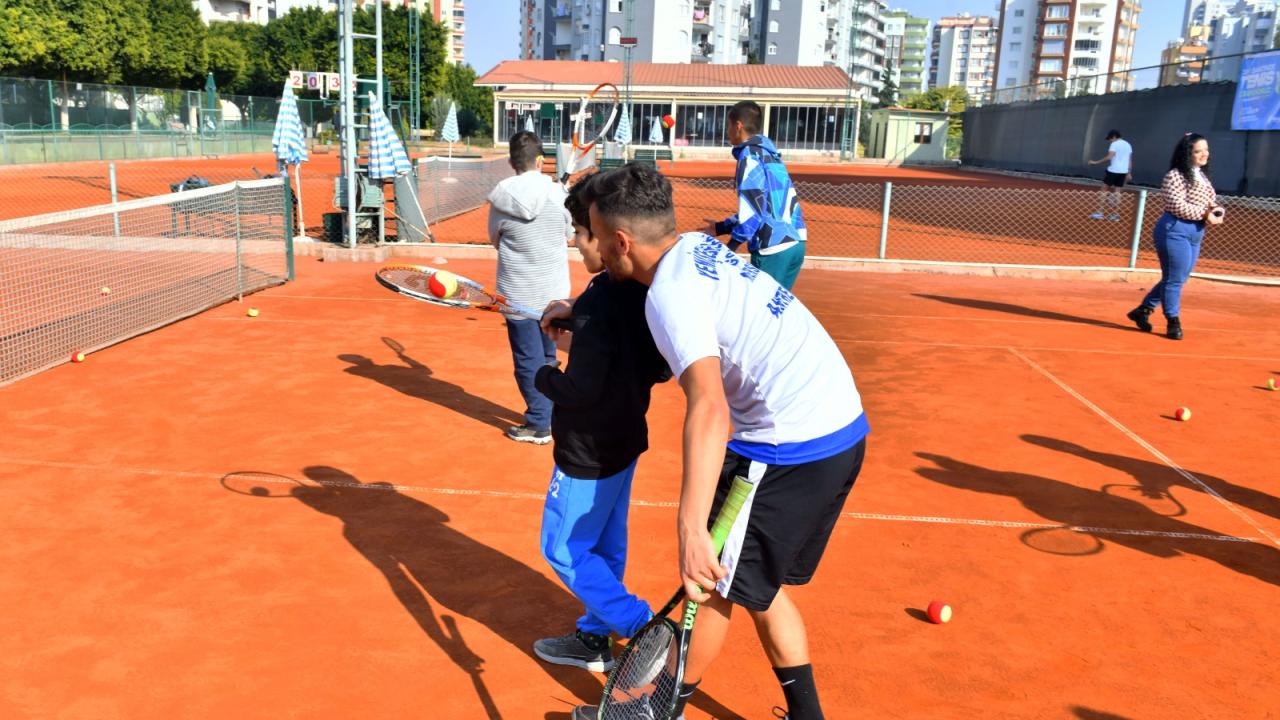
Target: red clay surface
389,565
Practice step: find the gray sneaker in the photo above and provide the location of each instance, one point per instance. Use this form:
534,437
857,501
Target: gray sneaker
524,433
572,650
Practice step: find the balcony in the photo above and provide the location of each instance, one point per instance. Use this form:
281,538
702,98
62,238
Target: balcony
562,11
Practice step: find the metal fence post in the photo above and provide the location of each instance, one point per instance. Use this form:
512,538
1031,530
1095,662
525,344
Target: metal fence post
1137,229
288,225
115,216
884,219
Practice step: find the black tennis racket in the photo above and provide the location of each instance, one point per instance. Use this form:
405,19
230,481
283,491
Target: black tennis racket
645,680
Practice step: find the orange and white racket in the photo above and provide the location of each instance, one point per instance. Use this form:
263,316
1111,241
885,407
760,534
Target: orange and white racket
595,118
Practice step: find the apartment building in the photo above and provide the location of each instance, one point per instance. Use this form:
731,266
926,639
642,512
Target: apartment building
1065,47
254,11
963,54
1182,60
907,56
1246,27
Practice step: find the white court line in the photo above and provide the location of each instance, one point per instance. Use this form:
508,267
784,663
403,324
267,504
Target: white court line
876,517
979,346
1147,446
1100,324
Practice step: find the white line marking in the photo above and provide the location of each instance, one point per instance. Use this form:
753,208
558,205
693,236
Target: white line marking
875,517
1147,446
975,346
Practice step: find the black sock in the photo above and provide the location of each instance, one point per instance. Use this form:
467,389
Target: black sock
801,693
686,692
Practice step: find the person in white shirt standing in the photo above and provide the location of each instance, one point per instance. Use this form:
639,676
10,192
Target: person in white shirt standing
1119,159
758,370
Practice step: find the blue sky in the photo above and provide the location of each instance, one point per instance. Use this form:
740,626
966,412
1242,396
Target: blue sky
493,26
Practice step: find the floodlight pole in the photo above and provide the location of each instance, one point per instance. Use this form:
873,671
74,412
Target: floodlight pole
848,147
627,47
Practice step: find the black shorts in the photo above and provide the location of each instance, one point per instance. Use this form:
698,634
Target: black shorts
1115,180
784,525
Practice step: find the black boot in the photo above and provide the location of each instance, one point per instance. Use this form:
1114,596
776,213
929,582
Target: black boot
1174,330
1141,317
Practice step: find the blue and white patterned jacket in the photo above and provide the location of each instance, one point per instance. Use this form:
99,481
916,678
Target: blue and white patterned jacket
769,219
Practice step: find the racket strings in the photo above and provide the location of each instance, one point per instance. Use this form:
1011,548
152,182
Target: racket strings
643,685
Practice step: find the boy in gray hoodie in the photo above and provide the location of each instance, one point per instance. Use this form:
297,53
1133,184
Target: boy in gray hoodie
531,229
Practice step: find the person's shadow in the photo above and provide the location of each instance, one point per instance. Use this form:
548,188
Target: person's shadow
416,380
1061,502
1155,479
423,559
1013,309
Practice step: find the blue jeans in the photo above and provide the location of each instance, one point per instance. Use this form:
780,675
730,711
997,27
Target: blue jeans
530,350
1178,247
584,539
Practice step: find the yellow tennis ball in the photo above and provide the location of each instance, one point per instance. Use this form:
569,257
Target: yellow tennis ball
106,290
1183,414
252,312
443,284
1271,384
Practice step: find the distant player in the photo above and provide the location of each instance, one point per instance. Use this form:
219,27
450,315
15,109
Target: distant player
1119,159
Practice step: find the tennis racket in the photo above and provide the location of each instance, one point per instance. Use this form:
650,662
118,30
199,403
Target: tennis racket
645,680
412,281
595,117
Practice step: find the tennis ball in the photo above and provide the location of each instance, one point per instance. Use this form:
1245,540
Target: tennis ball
939,612
443,284
106,290
77,357
251,312
1183,414
1271,384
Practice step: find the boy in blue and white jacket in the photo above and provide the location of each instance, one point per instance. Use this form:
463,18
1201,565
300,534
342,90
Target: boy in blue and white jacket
769,219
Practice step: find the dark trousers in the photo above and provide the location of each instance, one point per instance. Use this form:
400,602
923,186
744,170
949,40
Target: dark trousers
530,350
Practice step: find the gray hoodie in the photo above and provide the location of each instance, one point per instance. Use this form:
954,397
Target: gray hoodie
531,228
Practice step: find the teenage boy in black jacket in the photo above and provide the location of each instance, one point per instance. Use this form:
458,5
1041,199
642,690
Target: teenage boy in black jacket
599,434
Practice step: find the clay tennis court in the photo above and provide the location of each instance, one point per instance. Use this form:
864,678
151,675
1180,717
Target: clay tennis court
313,514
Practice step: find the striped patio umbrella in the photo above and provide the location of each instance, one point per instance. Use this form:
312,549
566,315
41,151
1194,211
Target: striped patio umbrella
450,131
387,157
290,146
622,135
655,132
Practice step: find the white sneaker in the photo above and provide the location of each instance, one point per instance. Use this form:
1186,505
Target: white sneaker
1114,218
1097,216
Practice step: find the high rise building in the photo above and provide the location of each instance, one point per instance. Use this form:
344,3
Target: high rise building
963,54
1065,47
906,52
1183,59
1248,26
254,11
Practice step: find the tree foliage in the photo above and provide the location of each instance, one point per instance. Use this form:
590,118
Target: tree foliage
952,99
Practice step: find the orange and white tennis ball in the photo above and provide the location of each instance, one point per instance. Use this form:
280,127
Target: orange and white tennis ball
939,612
668,122
443,284
77,357
251,312
1183,414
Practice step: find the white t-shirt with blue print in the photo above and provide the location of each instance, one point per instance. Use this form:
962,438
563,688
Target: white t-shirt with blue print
791,396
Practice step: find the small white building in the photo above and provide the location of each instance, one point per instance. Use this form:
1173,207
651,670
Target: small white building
900,135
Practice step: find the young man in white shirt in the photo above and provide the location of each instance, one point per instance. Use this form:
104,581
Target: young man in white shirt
753,360
1119,159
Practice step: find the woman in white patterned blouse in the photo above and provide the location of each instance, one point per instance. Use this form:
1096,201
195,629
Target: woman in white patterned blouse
1189,204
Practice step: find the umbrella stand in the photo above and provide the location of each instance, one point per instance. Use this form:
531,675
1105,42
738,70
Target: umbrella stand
297,173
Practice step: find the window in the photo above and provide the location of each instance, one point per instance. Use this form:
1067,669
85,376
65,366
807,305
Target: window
1088,45
1015,47
775,5
1013,64
1055,29
1017,13
615,36
1017,30
773,48
615,6
773,26
1051,65
1053,47
1085,63
1059,11
924,133
1010,82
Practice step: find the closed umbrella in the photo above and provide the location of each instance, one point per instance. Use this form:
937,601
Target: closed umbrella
622,135
387,157
290,146
528,124
655,132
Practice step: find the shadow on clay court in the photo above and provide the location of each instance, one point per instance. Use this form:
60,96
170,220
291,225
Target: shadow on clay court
1023,310
1084,713
1068,505
1155,479
416,380
423,559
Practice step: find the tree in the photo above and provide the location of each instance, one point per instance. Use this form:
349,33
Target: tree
887,96
30,33
951,100
233,54
179,56
108,40
460,84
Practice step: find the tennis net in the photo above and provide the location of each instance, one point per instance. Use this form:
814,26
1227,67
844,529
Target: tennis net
80,280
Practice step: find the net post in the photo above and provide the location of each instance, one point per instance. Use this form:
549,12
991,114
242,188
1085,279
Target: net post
288,226
115,216
1137,229
239,260
884,219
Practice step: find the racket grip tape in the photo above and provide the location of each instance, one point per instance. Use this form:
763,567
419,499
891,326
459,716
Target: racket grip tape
739,491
